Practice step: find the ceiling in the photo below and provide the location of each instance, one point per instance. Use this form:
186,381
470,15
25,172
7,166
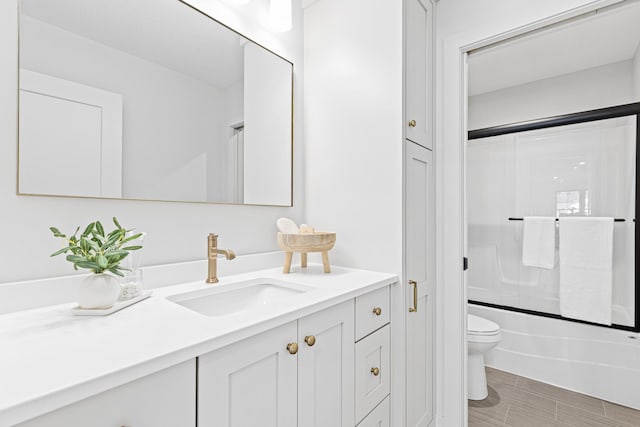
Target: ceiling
604,37
166,32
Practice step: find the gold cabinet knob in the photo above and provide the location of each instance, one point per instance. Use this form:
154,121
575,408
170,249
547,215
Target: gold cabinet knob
310,340
375,371
377,311
292,347
412,124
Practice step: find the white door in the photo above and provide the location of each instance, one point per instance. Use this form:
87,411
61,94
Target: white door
420,284
70,138
250,383
325,368
236,166
418,60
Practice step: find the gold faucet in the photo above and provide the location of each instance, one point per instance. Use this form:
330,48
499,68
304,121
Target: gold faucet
213,251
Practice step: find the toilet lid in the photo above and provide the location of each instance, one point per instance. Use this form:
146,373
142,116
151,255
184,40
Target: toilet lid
481,326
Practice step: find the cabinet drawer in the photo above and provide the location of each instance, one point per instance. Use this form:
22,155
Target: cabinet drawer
372,312
379,417
372,371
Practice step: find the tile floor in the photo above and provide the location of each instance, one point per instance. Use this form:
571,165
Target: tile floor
521,402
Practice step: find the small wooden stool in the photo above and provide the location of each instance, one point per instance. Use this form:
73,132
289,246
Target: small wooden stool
304,243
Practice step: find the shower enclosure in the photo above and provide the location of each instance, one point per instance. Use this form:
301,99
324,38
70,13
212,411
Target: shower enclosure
581,164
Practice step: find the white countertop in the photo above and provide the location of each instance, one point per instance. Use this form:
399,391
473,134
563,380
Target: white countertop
50,358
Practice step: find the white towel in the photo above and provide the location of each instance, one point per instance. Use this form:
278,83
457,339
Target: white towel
586,268
539,242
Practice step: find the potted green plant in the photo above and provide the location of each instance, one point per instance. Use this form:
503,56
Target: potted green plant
101,253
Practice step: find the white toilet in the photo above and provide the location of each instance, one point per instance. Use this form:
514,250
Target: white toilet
482,336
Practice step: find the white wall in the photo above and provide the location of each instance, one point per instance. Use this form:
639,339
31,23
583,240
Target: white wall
598,87
176,231
353,129
636,75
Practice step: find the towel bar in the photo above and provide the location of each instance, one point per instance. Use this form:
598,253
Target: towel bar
614,220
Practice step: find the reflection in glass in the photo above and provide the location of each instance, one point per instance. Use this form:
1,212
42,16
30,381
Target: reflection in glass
586,169
142,99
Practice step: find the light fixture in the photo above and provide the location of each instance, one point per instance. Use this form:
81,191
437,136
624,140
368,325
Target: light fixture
280,15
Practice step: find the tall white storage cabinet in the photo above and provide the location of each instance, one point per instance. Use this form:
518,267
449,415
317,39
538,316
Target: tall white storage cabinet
418,72
419,272
420,286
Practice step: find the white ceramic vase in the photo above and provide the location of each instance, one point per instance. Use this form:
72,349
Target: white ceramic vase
98,291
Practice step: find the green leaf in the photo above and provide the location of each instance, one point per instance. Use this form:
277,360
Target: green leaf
132,248
93,245
102,261
117,256
100,228
84,244
89,229
75,258
99,238
110,241
88,264
61,251
116,271
130,238
115,221
56,232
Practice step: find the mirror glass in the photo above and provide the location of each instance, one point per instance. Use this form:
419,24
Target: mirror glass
151,100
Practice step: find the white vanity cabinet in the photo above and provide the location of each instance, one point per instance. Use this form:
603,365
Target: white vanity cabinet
299,374
310,371
372,358
164,399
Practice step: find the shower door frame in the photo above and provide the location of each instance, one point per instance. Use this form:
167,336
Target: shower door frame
563,120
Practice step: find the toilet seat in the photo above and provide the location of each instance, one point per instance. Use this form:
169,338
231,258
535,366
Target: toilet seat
479,326
486,338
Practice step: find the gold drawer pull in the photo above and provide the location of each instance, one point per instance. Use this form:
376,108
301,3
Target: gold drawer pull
412,123
375,371
415,296
377,311
310,340
292,347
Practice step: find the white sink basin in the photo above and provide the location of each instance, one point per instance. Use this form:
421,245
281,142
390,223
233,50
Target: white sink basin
234,298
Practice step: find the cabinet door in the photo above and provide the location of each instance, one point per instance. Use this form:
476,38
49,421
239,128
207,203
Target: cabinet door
250,383
325,369
418,60
164,399
372,371
379,417
419,296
